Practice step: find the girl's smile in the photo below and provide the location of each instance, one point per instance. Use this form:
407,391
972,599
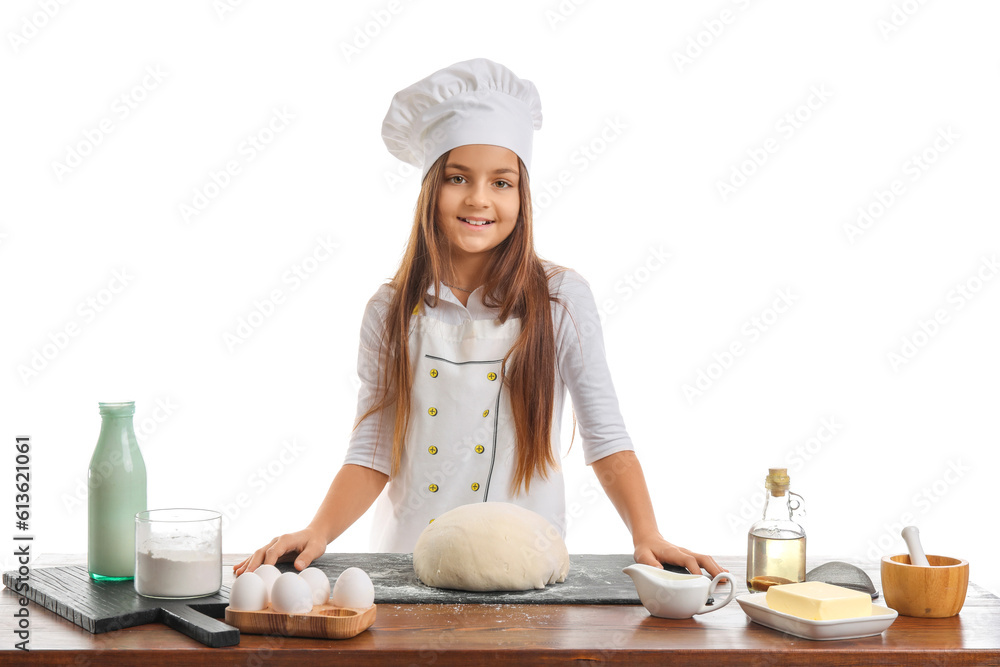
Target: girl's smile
476,222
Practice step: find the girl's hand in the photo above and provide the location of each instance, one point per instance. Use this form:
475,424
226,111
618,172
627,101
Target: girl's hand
304,547
655,551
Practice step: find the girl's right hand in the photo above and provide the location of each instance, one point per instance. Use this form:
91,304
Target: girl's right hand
303,546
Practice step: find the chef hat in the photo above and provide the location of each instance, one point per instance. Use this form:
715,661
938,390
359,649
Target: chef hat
471,102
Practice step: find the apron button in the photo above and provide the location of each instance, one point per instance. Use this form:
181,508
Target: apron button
475,486
485,412
480,449
491,377
432,449
434,411
433,488
434,372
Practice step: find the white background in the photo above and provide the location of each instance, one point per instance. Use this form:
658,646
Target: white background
839,98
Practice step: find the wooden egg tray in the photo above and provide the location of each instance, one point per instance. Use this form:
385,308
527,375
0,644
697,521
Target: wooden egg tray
325,621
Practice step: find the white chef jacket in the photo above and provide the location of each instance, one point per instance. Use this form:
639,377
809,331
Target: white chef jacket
581,368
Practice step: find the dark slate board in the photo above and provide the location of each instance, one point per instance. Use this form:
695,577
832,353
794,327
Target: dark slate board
100,606
592,579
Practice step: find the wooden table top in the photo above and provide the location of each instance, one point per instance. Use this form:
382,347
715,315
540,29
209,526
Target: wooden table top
470,634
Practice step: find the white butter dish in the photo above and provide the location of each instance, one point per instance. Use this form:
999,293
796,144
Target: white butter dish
755,606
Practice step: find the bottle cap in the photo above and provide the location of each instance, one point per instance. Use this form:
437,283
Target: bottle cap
777,481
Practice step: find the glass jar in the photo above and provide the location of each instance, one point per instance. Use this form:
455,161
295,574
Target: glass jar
178,553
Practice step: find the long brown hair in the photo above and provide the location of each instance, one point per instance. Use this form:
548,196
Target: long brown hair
516,282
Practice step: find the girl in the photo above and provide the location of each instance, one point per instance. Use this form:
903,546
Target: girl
466,355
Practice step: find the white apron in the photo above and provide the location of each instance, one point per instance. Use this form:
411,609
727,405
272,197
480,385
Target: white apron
460,446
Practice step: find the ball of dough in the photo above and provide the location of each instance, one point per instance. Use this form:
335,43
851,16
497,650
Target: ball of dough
490,547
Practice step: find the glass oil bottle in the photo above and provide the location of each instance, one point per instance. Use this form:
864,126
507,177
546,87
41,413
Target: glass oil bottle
776,545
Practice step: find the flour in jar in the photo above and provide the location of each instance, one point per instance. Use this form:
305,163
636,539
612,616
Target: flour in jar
173,569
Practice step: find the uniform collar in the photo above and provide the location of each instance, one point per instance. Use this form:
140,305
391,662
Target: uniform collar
475,298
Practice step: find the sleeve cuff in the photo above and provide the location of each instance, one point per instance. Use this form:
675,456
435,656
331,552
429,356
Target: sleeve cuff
607,449
376,465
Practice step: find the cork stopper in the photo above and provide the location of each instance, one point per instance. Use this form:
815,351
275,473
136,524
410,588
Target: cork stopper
777,481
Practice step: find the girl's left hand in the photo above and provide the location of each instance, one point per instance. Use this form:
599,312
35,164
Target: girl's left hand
655,551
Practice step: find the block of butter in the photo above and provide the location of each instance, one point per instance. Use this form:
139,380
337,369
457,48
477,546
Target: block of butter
819,601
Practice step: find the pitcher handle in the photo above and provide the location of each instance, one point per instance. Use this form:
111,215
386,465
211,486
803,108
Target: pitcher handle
711,587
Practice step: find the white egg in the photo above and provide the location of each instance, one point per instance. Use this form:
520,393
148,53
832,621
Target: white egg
318,582
268,573
248,593
354,590
291,594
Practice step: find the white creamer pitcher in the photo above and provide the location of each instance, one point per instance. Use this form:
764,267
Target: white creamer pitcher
670,595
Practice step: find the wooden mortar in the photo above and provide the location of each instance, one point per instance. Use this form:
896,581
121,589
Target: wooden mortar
937,591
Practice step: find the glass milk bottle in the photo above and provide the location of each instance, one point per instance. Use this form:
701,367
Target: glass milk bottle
776,545
116,482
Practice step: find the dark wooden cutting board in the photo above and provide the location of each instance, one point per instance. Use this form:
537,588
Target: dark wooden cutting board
100,606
